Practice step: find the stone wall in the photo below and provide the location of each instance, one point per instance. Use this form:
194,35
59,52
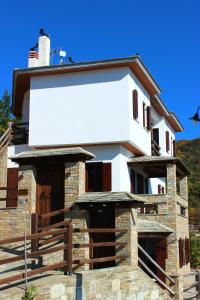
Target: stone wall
119,283
13,222
169,215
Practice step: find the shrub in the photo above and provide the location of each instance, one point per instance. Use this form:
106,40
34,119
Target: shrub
30,293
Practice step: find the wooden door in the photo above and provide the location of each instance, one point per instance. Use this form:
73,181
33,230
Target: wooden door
102,218
12,187
50,191
161,255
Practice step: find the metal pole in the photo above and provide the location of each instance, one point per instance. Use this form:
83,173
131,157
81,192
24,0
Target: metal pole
25,261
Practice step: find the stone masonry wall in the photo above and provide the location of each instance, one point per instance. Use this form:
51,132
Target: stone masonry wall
169,215
27,180
75,186
13,222
119,283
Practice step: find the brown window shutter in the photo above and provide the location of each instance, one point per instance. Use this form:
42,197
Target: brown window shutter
187,250
174,148
132,181
107,177
163,190
135,104
167,140
12,186
144,121
159,189
148,118
181,262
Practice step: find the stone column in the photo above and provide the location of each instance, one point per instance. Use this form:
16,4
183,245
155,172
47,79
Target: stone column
127,218
171,179
184,187
75,186
27,181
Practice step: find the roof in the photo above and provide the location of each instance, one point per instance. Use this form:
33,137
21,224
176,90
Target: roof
66,153
109,197
151,226
157,162
21,78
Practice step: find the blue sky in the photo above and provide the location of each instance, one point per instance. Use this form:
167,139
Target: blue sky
165,33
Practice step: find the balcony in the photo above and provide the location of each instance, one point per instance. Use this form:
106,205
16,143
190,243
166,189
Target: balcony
155,148
19,133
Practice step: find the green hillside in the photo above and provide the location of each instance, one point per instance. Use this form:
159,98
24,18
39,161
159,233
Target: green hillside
189,151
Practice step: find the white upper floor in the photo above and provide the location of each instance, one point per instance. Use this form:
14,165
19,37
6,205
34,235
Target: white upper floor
93,107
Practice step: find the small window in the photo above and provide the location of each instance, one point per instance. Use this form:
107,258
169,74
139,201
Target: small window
149,118
182,211
167,140
135,104
144,115
98,177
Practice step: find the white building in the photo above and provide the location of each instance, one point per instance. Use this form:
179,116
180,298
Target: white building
111,108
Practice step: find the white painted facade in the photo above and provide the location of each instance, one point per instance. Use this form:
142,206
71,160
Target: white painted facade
93,109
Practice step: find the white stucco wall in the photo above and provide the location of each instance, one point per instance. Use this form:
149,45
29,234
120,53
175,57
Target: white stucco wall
139,135
87,108
79,108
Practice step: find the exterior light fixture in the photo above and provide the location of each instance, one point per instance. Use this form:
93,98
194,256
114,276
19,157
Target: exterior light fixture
196,117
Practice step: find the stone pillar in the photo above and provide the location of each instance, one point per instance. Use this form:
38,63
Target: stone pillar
184,187
27,181
127,218
74,181
75,186
3,175
171,179
179,288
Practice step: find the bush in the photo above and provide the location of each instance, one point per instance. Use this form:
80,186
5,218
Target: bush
30,293
195,251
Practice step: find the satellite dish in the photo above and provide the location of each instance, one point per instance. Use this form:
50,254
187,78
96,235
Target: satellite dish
62,53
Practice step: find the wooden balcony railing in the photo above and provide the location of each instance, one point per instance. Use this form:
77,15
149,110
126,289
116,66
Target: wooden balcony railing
20,133
155,148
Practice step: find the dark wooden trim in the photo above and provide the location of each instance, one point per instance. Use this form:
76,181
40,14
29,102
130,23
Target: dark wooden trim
101,230
55,213
99,260
149,118
52,239
102,244
135,104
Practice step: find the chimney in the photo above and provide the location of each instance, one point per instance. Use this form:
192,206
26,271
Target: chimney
44,49
33,59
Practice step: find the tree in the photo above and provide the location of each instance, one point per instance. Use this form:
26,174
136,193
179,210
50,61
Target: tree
5,112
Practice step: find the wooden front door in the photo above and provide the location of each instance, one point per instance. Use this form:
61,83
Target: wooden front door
50,191
102,218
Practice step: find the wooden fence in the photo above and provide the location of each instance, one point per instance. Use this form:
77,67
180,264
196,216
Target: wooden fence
64,238
192,290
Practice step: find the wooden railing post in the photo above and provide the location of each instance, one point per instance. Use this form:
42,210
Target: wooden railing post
69,248
34,229
197,279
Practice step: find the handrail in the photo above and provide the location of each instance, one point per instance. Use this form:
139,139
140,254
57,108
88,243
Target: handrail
100,230
54,213
5,139
155,264
156,277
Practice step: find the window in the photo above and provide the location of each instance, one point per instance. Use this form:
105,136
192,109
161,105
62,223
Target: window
167,141
174,148
98,177
139,183
12,187
149,118
144,115
135,104
182,211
